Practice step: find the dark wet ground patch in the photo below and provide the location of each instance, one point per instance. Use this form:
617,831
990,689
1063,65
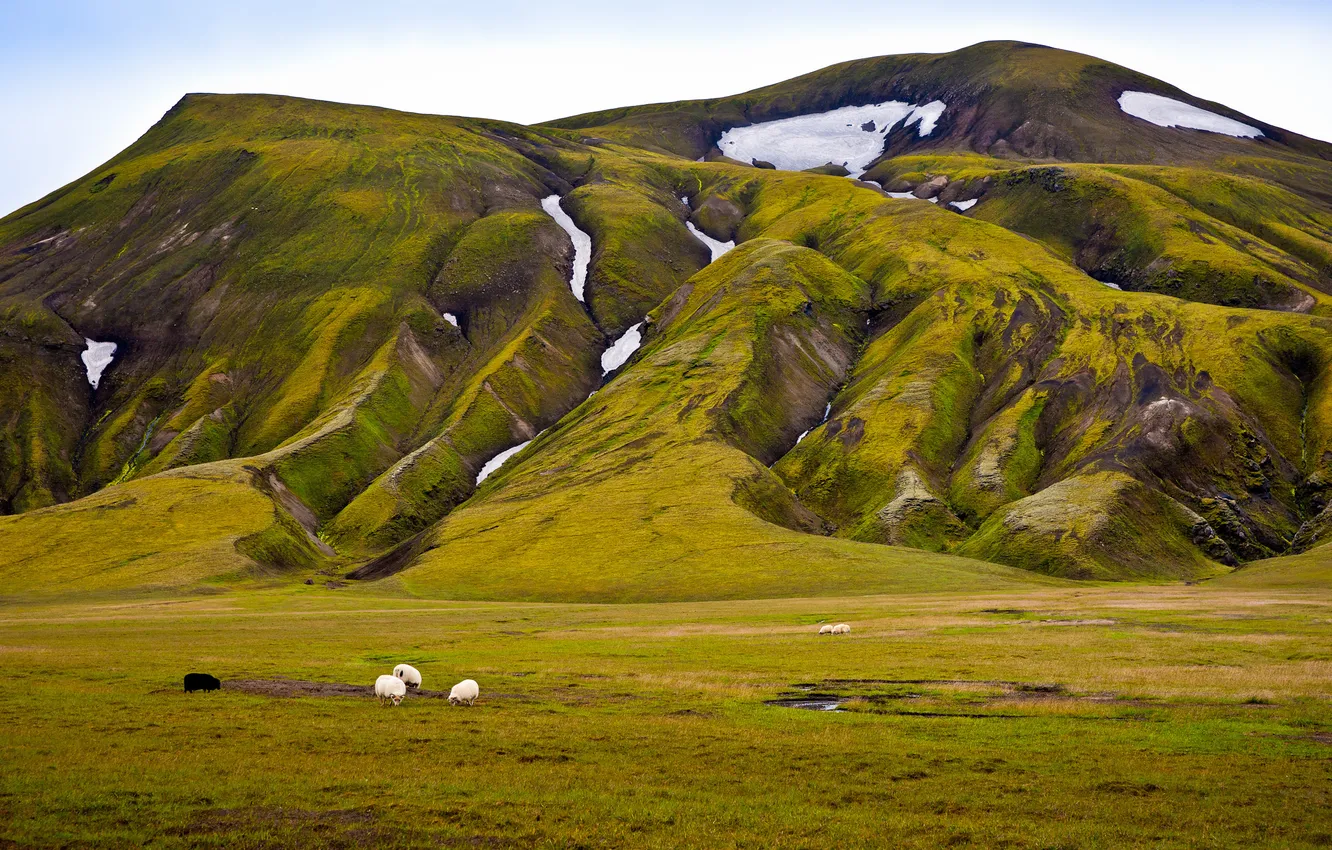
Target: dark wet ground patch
979,698
1315,737
285,688
690,712
343,829
1023,687
299,688
970,698
291,827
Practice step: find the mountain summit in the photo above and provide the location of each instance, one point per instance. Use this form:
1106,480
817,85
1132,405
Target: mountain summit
997,316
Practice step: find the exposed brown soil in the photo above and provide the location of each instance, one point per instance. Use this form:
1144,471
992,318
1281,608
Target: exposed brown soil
299,688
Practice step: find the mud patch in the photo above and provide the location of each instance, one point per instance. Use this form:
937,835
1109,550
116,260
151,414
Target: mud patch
1315,737
286,688
1025,687
293,827
289,688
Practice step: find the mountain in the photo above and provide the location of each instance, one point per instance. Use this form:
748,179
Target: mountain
1035,337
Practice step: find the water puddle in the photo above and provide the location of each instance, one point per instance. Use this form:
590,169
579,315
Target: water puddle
809,702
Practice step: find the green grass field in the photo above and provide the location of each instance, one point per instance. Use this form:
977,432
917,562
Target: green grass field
1163,716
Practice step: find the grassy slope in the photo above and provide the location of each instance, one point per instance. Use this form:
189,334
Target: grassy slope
1187,716
926,248
205,528
633,496
1195,233
997,327
1307,569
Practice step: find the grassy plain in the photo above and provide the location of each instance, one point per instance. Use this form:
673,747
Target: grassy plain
1164,716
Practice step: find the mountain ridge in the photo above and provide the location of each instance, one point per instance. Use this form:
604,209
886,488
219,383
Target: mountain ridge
966,75
333,315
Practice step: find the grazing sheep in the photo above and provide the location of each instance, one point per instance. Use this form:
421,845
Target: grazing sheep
841,629
390,688
201,682
411,677
465,691
825,629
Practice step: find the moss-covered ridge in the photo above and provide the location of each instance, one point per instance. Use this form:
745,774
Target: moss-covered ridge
1005,98
1000,370
641,493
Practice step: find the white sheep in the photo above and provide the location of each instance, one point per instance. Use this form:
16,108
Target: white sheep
841,629
465,691
411,677
390,688
825,629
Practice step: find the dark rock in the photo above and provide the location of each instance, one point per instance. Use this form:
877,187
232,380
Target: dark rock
830,168
931,188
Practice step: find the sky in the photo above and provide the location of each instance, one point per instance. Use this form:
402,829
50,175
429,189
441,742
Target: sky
82,79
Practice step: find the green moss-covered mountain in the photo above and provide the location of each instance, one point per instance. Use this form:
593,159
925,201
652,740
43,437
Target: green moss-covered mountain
328,318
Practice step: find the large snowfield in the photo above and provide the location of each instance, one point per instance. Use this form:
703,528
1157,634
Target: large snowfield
851,136
1167,112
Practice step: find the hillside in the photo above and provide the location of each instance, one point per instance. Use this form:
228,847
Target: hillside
1034,338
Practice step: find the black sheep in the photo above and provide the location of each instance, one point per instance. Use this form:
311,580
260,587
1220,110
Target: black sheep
201,682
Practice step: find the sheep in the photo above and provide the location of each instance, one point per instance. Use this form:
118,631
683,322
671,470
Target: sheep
841,629
465,691
411,677
201,682
390,688
825,629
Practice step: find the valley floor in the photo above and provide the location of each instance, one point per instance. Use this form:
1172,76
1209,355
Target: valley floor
1183,716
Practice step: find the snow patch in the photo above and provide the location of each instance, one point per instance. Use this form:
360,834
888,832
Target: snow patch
96,358
451,319
964,205
851,136
1166,404
803,435
927,115
498,460
581,241
1112,285
621,350
908,196
716,246
1167,112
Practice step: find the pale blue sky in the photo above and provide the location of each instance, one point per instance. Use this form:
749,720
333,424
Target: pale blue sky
81,80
